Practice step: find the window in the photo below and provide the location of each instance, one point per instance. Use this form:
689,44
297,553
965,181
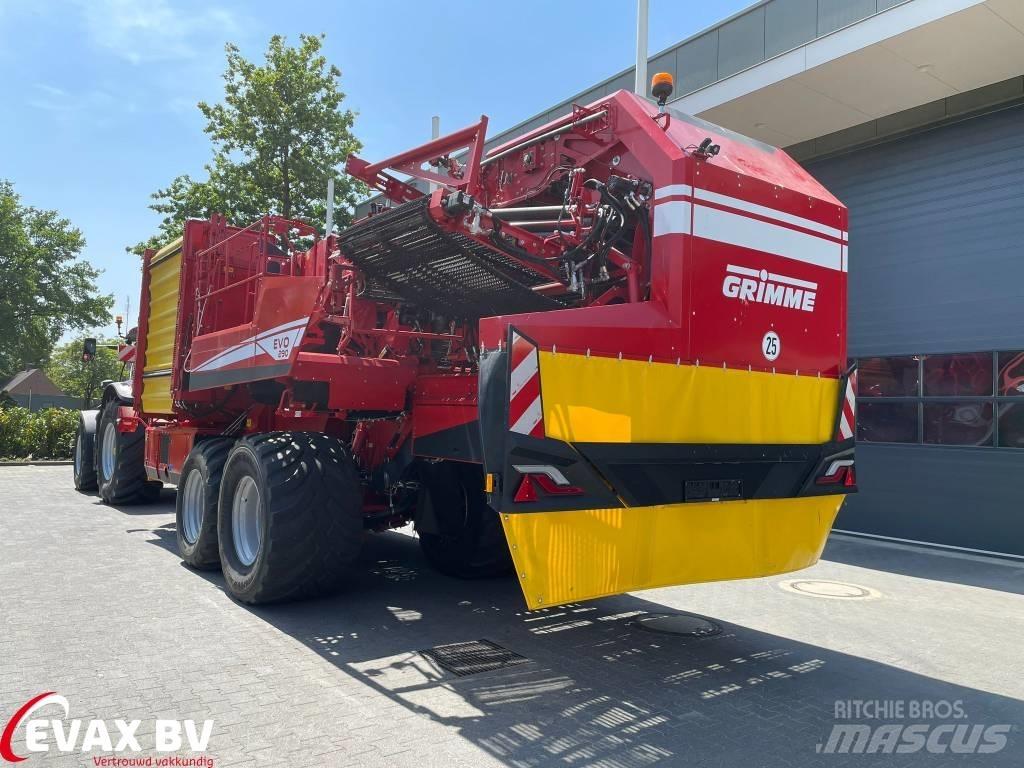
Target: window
946,375
1011,374
887,376
1011,425
882,422
965,399
958,423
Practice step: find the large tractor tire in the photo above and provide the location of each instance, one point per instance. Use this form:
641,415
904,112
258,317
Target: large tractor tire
290,520
119,458
85,452
460,535
196,504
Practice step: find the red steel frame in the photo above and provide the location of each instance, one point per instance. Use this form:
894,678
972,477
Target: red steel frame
255,313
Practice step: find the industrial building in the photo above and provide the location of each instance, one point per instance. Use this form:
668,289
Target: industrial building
912,114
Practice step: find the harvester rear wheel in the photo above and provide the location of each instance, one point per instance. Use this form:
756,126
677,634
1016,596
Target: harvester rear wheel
196,505
290,522
464,538
85,452
119,457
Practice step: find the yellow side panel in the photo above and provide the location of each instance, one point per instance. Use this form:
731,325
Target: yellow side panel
566,556
164,278
606,400
562,557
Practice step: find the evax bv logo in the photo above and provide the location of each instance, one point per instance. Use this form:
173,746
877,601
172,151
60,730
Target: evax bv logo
85,736
764,287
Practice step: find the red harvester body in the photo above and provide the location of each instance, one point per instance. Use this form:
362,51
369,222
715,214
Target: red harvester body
621,335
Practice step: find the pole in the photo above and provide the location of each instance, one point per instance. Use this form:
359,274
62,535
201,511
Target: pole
330,206
435,132
640,86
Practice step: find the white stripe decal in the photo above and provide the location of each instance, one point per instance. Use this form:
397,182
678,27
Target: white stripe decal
283,327
844,428
672,190
745,232
771,213
242,351
672,218
526,369
531,417
773,277
248,347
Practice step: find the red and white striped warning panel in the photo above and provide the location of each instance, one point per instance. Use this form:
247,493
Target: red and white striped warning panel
848,418
525,412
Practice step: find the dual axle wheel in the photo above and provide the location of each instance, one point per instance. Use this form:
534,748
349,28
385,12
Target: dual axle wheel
281,512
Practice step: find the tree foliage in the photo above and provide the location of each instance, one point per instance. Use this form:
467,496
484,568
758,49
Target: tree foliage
46,289
278,135
79,378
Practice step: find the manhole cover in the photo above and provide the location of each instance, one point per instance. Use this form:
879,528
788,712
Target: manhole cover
686,624
473,657
833,590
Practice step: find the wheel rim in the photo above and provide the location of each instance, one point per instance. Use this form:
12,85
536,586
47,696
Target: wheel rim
109,450
78,454
246,526
193,506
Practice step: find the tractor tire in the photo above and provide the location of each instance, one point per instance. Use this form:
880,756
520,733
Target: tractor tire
290,520
195,510
465,538
85,452
119,458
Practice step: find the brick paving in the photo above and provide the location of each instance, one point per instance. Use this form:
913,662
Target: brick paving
95,605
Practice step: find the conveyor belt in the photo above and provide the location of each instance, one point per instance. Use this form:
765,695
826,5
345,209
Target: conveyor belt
405,255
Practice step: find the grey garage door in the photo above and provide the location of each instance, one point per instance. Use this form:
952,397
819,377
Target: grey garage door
936,306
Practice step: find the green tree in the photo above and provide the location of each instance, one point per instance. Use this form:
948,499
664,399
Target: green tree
46,289
278,135
79,378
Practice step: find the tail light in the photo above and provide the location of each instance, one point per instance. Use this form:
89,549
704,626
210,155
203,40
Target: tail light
545,478
839,472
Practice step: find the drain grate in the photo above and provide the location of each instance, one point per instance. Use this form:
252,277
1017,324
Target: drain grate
471,658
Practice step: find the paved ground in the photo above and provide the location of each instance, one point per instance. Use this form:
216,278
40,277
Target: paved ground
94,604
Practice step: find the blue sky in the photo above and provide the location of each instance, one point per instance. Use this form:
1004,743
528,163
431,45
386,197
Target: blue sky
99,95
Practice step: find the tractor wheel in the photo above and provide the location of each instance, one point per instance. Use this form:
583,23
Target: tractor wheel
85,452
290,520
196,505
119,458
460,535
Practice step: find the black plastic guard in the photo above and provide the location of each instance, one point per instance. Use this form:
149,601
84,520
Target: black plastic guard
503,450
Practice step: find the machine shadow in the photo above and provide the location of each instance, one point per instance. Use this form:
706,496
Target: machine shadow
597,689
161,506
988,573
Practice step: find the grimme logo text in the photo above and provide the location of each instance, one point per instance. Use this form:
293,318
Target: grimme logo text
764,287
44,734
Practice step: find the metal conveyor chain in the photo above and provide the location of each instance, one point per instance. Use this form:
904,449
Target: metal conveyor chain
404,253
